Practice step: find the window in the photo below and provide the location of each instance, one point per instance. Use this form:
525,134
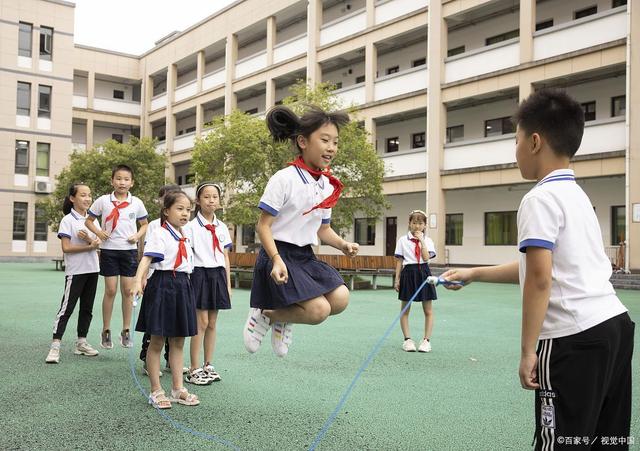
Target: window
393,144
190,130
252,111
618,106
42,159
118,94
544,24
44,101
502,37
46,43
417,140
616,3
392,70
453,230
248,234
365,231
22,157
189,178
499,126
40,226
117,137
455,133
500,228
24,99
585,12
338,85
25,33
360,79
20,221
456,51
419,62
617,225
589,109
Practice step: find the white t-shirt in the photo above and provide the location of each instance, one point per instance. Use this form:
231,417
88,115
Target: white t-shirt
153,225
557,215
289,193
135,211
162,246
405,249
78,262
202,242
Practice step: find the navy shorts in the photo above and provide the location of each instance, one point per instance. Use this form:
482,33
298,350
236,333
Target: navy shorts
118,262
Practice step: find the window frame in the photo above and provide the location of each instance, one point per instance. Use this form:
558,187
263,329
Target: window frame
392,70
451,230
511,34
40,150
370,231
456,51
360,79
20,110
117,137
623,105
22,169
414,142
40,225
585,12
20,235
117,93
544,24
46,43
448,138
419,62
503,120
248,237
22,34
388,141
617,227
585,106
512,234
44,111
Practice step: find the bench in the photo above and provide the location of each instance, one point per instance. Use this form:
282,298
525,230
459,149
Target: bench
59,263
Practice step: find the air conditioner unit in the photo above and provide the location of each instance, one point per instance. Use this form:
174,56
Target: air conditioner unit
43,187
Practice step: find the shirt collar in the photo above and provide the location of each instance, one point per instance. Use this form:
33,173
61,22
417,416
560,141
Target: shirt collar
113,198
203,221
410,236
308,178
174,233
558,175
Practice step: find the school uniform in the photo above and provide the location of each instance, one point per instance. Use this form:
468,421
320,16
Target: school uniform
81,277
586,340
289,193
415,269
118,257
168,308
209,277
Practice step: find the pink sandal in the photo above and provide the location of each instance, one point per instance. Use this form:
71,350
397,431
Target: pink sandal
182,396
159,400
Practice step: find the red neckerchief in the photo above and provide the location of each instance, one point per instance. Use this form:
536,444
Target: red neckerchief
216,243
182,249
115,213
416,250
330,201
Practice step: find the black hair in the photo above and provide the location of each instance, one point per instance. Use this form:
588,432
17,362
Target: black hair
285,125
169,199
554,115
121,167
418,214
203,185
167,189
67,205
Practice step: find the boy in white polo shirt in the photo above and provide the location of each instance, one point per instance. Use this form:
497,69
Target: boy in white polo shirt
119,212
581,370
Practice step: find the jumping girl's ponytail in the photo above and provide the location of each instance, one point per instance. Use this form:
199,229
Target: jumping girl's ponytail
67,205
282,123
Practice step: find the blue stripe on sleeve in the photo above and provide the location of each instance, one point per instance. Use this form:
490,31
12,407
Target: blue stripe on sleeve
268,208
228,246
60,235
534,242
326,220
155,257
142,217
92,213
399,256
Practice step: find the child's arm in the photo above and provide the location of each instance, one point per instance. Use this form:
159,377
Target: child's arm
279,273
506,273
396,283
103,235
141,231
535,300
330,237
227,267
423,246
69,248
141,275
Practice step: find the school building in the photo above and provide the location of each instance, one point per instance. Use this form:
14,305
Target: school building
435,82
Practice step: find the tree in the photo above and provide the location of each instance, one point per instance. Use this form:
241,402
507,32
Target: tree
239,153
94,167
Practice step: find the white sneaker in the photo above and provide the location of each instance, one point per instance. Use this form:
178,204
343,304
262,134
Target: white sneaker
198,377
211,372
425,346
84,348
255,328
54,354
281,337
409,345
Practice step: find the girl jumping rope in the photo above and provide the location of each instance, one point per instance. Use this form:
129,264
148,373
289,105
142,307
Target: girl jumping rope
289,284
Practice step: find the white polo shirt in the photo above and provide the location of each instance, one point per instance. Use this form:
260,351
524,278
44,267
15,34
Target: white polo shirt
557,215
126,226
202,242
289,193
153,225
405,249
77,262
162,246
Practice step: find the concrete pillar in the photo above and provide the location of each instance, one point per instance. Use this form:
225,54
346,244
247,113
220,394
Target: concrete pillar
270,94
632,160
314,22
89,134
170,124
231,56
271,38
199,119
200,69
147,93
370,69
527,27
371,128
91,89
371,12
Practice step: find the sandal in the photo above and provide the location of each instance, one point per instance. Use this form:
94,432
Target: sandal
182,396
159,400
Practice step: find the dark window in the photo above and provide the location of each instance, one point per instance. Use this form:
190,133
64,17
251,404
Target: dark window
499,126
618,106
360,79
22,157
40,227
189,178
393,144
248,234
453,230
44,101
500,228
339,85
544,24
42,159
25,33
502,37
179,180
24,99
190,130
392,70
20,221
46,43
419,62
585,12
456,51
455,133
118,94
616,3
117,137
365,231
417,140
252,111
589,109
618,225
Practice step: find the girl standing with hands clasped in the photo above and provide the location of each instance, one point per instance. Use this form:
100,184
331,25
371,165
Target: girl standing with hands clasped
81,271
168,308
289,284
413,251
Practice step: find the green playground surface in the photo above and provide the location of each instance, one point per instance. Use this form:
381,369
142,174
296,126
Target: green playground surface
465,395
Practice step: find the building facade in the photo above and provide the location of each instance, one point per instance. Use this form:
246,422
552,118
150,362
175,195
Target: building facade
435,83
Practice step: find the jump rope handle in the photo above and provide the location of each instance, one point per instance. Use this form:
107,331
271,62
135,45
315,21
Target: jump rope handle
435,281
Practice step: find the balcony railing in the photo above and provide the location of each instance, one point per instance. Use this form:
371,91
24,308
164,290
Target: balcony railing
343,27
161,147
411,80
603,135
351,95
390,9
290,48
79,101
480,152
483,61
184,142
403,163
186,90
251,64
159,101
213,79
117,106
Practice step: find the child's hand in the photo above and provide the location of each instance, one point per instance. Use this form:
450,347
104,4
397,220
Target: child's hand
350,249
419,235
458,274
133,239
84,236
104,236
528,371
396,285
279,273
95,244
137,288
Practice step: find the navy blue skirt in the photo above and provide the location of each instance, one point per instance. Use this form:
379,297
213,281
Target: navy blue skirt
411,277
168,308
210,288
308,278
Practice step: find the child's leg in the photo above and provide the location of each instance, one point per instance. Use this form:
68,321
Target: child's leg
126,284
210,336
338,299
428,318
175,360
110,287
72,290
87,298
313,311
404,320
153,361
196,341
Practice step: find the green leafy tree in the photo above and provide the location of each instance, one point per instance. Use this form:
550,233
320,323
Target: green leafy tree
94,167
240,154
